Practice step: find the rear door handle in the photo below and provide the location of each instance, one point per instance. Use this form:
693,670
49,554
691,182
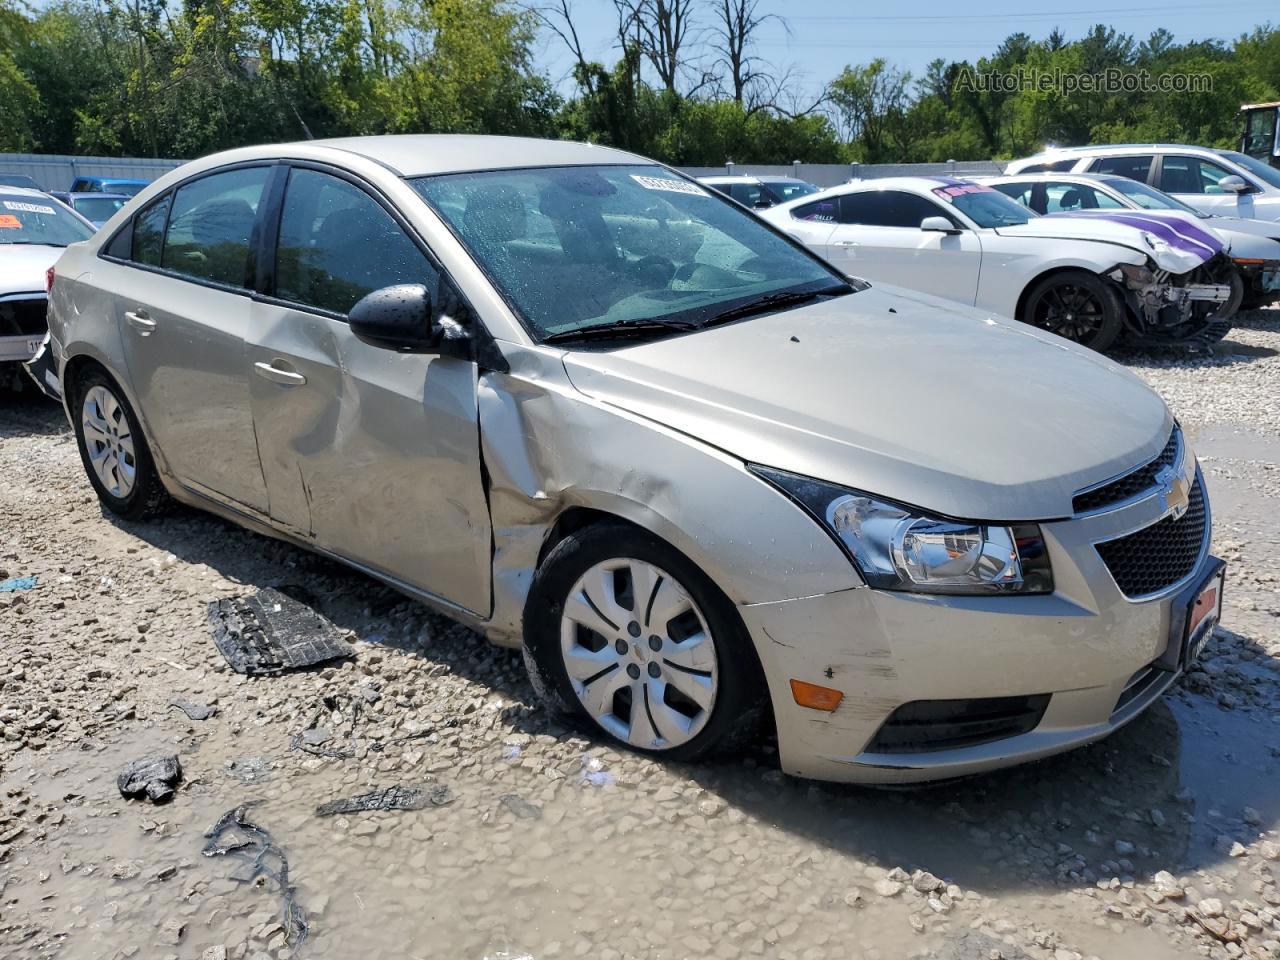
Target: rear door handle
269,371
139,320
846,243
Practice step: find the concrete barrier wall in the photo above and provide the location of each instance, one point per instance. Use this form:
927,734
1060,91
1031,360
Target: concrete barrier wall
833,174
56,171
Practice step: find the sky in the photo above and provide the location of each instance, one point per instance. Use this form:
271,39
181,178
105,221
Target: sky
819,38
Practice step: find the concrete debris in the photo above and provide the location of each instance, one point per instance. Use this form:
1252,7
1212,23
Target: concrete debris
521,807
193,709
156,778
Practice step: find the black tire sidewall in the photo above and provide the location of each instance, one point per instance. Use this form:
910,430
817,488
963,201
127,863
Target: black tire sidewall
147,491
1113,308
740,696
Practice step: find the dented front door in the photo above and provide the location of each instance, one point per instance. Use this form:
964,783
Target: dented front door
371,454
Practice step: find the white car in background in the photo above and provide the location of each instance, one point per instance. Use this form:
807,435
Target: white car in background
1253,245
758,193
1225,182
1083,278
34,230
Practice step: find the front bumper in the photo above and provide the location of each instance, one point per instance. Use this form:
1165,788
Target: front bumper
1100,656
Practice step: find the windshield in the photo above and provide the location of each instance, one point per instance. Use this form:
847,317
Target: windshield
1149,198
984,206
98,209
784,190
1256,167
577,248
30,221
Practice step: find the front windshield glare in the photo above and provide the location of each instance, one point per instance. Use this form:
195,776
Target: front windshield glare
1149,198
1255,166
575,248
32,220
984,206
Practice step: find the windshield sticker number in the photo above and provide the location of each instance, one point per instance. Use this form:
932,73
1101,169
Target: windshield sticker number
27,207
949,193
671,186
9,222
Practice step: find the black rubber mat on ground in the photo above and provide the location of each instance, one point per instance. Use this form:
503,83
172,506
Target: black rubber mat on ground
270,632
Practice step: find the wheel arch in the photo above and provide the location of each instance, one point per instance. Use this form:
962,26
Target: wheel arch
77,366
1055,271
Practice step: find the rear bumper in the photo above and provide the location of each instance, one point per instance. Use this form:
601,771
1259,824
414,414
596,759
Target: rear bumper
43,371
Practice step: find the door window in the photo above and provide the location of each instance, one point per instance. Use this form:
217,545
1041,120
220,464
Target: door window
1135,168
211,225
148,232
1191,175
1024,193
819,211
750,195
1074,197
888,208
338,244
1055,166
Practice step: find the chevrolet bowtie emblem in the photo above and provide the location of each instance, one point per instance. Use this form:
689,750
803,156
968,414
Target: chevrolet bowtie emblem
1175,492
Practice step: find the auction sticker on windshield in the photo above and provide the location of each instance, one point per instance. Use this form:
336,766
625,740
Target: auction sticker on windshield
9,222
960,190
27,207
664,183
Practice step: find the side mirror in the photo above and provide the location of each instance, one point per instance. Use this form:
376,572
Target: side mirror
938,225
1234,184
762,204
399,318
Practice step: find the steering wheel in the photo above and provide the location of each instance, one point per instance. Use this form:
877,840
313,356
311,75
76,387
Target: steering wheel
654,271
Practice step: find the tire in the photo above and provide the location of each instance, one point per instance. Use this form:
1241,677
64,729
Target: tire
720,669
1077,305
114,450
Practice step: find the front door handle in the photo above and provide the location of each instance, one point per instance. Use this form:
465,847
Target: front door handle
269,371
846,243
139,320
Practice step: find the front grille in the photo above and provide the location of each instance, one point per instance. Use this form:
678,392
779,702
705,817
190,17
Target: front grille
1131,484
1160,555
926,725
18,317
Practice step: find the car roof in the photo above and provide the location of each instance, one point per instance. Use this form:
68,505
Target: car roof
1052,175
423,154
23,193
900,183
98,195
1098,149
97,179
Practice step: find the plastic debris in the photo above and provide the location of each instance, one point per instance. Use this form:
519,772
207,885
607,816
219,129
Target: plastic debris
270,632
594,773
249,769
155,777
262,858
193,710
521,807
391,798
16,584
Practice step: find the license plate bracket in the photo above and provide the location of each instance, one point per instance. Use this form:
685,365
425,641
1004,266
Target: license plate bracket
1201,615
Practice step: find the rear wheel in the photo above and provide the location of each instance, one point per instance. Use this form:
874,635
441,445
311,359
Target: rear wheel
625,634
113,449
1077,305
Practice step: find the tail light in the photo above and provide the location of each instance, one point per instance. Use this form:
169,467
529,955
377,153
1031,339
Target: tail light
49,277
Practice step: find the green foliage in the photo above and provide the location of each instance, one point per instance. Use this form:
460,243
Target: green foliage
186,77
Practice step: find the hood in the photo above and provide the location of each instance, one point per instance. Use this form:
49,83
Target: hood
22,267
1180,245
898,394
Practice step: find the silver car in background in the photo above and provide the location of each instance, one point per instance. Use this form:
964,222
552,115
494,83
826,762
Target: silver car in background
599,411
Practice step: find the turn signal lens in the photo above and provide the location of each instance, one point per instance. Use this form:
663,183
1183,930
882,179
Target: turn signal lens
815,697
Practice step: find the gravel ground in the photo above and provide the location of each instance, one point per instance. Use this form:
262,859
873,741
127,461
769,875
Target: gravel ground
1160,842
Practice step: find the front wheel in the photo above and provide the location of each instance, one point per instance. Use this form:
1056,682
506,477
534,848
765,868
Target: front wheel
1076,305
625,634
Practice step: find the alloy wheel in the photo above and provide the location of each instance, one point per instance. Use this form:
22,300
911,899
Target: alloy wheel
109,441
1070,311
639,654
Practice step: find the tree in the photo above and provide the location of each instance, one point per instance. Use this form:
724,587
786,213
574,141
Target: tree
869,100
736,23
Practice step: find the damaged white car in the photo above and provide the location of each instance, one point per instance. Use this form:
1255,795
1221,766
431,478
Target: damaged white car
594,409
1088,279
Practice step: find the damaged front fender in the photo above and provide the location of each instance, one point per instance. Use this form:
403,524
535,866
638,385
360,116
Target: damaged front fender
547,448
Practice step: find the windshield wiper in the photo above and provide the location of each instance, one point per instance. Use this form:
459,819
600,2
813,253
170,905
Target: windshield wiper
32,243
776,301
633,329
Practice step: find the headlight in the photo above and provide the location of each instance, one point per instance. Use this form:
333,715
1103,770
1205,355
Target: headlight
896,547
